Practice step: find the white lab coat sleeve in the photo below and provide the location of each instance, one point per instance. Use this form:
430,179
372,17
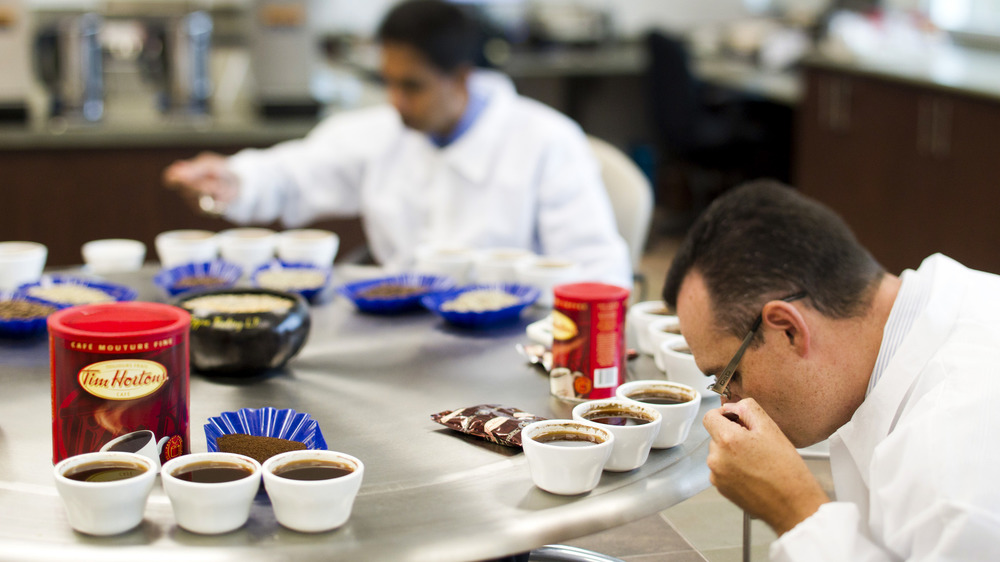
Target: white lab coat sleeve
319,176
834,533
575,219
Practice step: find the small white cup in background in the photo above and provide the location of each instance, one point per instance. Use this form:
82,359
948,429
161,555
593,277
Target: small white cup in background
312,506
662,330
674,358
566,457
545,273
632,442
178,247
638,319
313,246
211,508
113,255
141,442
108,507
20,263
499,265
454,262
248,248
677,417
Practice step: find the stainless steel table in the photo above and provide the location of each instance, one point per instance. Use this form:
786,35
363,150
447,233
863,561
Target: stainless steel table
371,382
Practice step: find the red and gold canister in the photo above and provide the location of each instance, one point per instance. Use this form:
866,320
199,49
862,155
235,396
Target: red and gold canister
588,347
117,368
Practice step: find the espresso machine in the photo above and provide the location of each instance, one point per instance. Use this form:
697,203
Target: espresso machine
285,51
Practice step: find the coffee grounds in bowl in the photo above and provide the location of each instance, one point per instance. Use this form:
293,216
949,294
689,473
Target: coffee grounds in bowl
257,447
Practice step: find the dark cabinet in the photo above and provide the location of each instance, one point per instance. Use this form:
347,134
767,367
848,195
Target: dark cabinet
910,167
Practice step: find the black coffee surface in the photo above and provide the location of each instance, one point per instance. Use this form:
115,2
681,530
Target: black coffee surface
659,398
132,444
566,437
313,470
105,471
212,472
616,417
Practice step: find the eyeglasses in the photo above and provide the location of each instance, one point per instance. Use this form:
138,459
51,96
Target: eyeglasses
722,379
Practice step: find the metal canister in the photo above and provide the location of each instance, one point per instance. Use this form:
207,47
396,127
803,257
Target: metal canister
588,347
117,368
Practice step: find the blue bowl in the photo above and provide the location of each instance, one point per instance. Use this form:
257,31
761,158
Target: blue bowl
168,279
394,305
486,319
23,327
309,293
115,291
265,422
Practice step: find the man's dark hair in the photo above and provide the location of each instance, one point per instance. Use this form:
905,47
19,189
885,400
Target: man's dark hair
764,241
442,32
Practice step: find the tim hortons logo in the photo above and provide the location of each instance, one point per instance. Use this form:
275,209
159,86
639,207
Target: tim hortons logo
123,379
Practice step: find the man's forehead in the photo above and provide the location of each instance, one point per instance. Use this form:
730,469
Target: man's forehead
694,311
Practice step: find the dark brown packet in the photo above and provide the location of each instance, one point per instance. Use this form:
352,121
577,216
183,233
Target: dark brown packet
493,422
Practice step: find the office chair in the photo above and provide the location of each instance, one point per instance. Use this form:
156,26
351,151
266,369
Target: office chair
631,198
705,133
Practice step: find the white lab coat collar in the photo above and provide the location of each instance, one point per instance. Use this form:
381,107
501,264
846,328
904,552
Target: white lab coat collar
874,420
470,154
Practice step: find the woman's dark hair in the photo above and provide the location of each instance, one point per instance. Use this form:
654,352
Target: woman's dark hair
442,32
764,241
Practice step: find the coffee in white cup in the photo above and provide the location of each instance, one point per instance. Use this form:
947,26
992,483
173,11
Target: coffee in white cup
566,457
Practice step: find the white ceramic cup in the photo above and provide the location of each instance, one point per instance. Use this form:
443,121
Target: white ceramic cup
104,508
309,245
20,263
499,265
141,442
178,247
545,273
210,508
662,330
566,468
248,248
680,366
113,255
632,442
677,418
637,321
454,262
312,506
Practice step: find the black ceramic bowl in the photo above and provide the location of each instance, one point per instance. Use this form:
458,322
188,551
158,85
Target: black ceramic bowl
237,332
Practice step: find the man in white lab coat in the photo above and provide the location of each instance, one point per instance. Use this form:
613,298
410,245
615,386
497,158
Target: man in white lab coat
901,373
457,159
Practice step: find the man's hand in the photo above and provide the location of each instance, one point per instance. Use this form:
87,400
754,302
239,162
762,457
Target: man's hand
206,175
756,467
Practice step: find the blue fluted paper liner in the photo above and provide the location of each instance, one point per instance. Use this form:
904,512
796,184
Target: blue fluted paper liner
167,279
310,293
526,294
115,291
265,422
432,283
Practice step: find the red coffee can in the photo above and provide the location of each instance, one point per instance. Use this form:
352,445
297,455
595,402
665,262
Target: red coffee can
588,346
117,368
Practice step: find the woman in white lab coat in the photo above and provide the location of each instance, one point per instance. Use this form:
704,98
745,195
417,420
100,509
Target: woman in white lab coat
901,371
458,159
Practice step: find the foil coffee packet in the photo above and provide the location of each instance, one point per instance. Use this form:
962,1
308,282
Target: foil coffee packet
493,422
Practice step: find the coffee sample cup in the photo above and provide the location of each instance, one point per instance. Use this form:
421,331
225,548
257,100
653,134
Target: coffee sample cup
545,273
211,493
141,442
248,248
178,247
640,315
20,263
634,426
308,245
677,403
313,491
659,331
105,492
113,255
566,457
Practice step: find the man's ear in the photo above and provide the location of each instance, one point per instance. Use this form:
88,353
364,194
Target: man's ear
781,316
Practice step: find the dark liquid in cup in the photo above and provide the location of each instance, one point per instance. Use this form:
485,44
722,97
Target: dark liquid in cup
661,312
105,471
132,444
616,417
653,397
211,472
309,469
672,330
568,439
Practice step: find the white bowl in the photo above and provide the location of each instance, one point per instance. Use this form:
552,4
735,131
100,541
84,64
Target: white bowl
499,265
178,247
20,263
663,329
545,273
113,255
308,245
248,248
679,365
639,316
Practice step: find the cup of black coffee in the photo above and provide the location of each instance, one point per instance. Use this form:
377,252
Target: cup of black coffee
677,403
566,457
211,493
105,493
313,490
634,426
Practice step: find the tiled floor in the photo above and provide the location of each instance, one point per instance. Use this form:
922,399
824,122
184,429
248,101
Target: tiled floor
704,527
